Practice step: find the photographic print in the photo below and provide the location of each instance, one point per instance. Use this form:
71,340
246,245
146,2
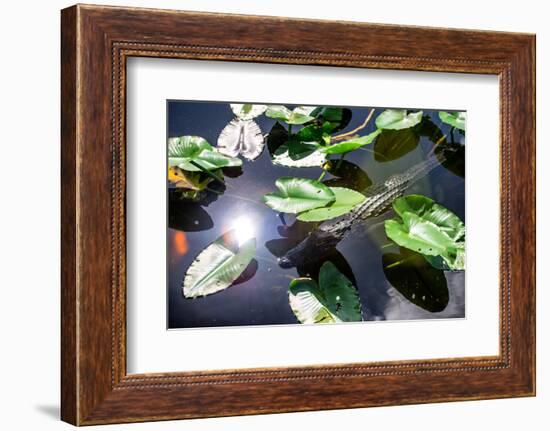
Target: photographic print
289,215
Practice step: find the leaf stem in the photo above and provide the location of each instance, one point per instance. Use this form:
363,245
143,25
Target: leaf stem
436,144
352,132
289,129
322,175
392,265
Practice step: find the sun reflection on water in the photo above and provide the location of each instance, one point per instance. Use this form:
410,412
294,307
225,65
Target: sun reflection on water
244,229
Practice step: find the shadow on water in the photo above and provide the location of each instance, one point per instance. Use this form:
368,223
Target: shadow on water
416,279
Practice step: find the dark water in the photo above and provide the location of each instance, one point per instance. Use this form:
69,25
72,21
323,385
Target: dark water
263,299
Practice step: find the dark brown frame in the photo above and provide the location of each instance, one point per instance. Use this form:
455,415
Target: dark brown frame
95,43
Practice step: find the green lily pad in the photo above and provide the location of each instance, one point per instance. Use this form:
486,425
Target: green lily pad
429,210
346,200
296,154
350,144
454,119
218,266
332,119
398,119
187,146
333,300
299,115
290,151
296,195
430,229
313,133
191,153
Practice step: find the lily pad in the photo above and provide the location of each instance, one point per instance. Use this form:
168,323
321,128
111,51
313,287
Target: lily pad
429,210
350,144
295,154
247,111
190,184
346,200
428,228
454,119
332,119
299,115
420,283
290,151
241,137
398,119
193,153
313,133
296,195
333,300
218,266
187,180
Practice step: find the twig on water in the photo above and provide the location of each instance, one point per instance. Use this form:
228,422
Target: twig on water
354,131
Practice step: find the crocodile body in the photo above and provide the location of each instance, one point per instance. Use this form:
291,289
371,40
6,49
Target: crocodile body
379,198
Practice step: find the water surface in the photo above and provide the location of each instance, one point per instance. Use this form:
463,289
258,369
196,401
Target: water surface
263,298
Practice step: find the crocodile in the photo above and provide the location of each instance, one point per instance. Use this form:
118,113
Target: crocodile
379,197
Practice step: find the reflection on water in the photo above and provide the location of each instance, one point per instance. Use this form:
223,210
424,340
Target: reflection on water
260,295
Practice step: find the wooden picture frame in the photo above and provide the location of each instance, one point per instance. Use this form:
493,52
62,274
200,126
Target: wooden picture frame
96,41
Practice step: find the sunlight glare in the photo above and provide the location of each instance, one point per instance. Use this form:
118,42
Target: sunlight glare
244,229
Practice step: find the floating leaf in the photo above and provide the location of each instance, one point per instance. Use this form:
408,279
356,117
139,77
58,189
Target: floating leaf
190,184
454,119
332,119
241,137
191,153
247,111
346,200
218,266
186,147
419,282
420,235
393,144
296,195
211,160
429,210
428,228
291,152
313,133
187,180
398,119
350,144
333,300
299,115
298,155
